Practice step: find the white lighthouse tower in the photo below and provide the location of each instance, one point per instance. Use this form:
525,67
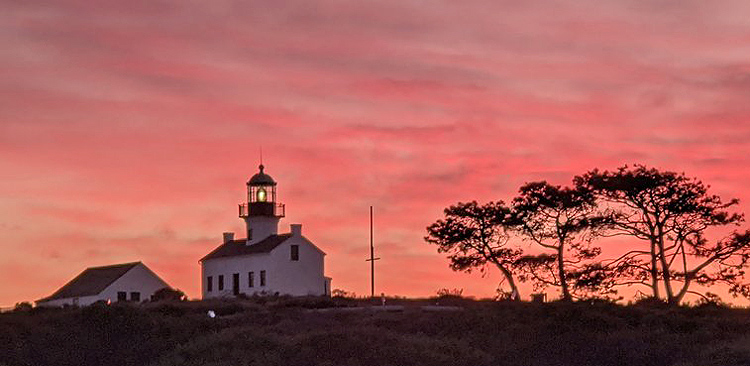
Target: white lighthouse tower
261,212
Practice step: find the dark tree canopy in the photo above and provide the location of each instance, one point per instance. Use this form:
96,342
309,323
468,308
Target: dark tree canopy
475,236
672,214
563,220
684,235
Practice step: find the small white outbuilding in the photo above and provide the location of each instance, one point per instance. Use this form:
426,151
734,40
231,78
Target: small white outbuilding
120,282
265,262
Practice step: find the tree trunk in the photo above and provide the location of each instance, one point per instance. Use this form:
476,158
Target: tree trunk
664,266
654,271
689,276
561,272
515,295
680,295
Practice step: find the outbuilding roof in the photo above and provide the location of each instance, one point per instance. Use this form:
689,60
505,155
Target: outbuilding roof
91,281
240,247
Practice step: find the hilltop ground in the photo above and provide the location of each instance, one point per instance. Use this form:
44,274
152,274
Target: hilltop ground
309,332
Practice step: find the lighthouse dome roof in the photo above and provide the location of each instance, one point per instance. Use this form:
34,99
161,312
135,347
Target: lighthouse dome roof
261,179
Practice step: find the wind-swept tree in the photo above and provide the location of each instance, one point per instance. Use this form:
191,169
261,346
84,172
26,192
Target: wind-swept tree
672,214
562,220
476,236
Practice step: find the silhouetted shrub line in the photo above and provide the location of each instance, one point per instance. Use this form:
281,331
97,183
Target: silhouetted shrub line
274,333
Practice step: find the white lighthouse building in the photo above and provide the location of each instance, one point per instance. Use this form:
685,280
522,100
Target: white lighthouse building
265,262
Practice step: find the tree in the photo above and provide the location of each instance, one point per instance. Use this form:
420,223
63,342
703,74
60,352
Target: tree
562,220
672,213
168,294
477,236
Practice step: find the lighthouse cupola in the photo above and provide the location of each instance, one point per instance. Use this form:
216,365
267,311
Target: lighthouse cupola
261,212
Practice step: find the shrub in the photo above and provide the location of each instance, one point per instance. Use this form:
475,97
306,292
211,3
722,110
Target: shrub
168,294
23,306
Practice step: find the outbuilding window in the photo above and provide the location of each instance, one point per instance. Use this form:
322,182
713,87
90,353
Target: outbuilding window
262,278
209,283
221,282
295,252
251,279
122,296
135,296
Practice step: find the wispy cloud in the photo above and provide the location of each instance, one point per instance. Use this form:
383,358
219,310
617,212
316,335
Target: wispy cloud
127,130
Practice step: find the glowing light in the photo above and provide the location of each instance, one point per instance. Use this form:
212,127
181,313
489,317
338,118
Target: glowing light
261,195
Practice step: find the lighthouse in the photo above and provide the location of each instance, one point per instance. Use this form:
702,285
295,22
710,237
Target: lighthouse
265,262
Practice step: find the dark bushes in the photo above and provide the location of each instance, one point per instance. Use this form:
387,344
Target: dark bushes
288,331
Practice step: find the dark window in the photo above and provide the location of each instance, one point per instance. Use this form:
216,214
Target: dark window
251,279
236,284
210,284
262,278
249,234
135,296
122,296
221,282
295,252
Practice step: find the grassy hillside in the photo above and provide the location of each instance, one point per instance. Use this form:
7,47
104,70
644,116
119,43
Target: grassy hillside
290,332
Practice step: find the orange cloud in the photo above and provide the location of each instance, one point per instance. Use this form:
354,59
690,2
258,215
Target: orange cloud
127,131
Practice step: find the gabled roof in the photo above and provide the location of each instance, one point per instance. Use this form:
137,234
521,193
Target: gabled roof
239,247
91,281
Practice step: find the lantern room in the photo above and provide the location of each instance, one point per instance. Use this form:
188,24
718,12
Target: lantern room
261,197
261,187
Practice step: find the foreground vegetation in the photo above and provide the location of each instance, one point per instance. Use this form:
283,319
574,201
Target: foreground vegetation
324,332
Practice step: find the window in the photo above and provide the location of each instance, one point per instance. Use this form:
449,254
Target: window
122,296
221,282
251,279
210,284
295,252
135,296
236,284
262,278
249,234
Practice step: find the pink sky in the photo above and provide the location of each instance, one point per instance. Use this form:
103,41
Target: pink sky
128,129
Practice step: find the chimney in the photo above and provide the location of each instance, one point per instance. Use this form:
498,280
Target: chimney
296,229
228,237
